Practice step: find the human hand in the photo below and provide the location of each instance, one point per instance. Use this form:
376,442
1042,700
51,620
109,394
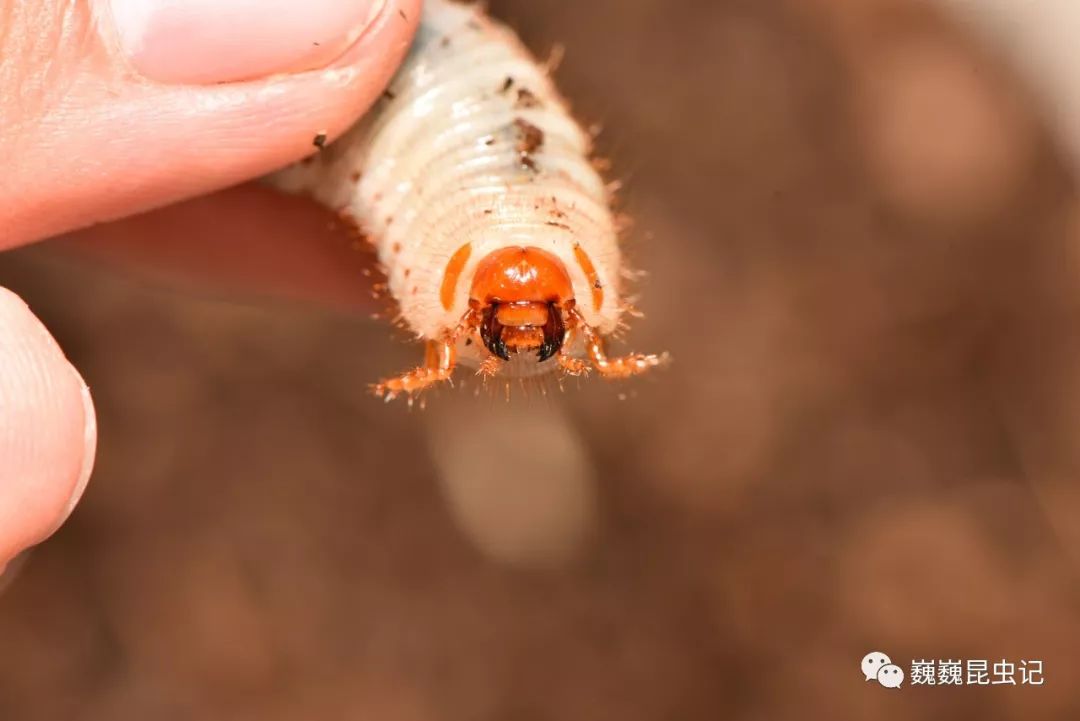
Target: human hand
108,109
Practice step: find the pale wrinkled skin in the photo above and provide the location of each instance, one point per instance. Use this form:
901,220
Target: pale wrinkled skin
434,166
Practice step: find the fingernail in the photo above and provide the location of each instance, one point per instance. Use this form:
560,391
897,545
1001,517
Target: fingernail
89,446
215,41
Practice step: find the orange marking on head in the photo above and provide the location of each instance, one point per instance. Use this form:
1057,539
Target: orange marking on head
453,271
518,274
590,274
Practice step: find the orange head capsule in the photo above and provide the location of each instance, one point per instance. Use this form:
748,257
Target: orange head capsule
521,294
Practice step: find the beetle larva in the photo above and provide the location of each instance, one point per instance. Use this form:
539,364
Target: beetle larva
475,185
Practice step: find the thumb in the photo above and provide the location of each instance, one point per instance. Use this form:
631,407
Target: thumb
47,431
111,107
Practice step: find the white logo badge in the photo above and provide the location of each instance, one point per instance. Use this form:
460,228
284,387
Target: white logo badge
872,663
890,676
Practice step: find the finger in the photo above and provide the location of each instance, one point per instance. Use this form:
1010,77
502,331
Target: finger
47,431
126,105
247,239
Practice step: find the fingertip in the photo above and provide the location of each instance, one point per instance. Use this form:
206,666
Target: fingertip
102,155
48,431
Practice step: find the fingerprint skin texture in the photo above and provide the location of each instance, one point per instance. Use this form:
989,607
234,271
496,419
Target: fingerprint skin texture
475,185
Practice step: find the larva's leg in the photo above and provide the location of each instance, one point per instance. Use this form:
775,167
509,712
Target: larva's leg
440,359
439,362
570,365
573,366
622,367
489,367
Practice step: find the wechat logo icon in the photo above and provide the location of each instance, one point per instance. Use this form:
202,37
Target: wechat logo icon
879,667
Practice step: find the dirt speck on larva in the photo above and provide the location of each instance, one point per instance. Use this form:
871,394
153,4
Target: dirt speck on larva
530,137
389,94
319,141
355,176
507,84
526,99
529,140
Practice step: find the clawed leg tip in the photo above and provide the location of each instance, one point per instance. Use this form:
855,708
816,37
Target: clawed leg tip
647,362
386,395
382,391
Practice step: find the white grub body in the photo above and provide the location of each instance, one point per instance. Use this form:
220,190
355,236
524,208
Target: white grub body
438,164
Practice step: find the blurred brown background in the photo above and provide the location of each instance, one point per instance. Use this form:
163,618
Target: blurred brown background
863,254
